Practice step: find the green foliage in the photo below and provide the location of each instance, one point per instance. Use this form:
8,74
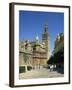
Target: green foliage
22,69
29,68
56,58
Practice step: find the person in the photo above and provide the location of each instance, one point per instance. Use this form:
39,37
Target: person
54,67
51,68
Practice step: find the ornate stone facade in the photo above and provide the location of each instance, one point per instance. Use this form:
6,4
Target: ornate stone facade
35,53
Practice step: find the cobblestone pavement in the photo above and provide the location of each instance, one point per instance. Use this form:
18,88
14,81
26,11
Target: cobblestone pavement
41,73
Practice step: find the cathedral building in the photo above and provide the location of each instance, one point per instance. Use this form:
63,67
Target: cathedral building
35,53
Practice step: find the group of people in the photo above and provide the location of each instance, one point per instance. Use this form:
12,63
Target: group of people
52,67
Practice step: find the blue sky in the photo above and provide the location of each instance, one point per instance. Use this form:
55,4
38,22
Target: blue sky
31,24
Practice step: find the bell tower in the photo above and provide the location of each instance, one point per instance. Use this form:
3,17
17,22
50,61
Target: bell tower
46,40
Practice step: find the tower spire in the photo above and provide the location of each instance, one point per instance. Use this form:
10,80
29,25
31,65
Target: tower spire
46,40
46,27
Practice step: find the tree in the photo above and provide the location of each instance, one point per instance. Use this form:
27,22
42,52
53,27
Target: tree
59,57
50,61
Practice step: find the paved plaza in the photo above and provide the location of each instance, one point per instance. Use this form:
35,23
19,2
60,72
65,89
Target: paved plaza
40,73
